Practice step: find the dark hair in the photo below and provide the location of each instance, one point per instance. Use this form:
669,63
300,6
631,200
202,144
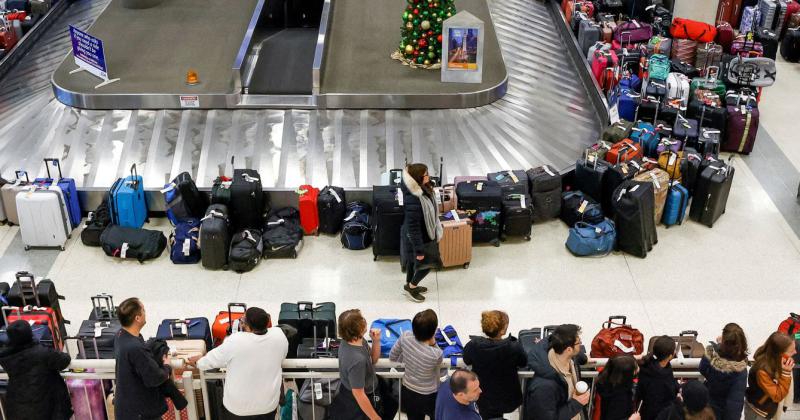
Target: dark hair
769,356
618,371
564,336
734,343
417,172
493,323
128,310
351,325
460,379
257,319
663,348
424,325
19,334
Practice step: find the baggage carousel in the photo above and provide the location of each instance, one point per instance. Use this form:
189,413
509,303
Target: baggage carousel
550,111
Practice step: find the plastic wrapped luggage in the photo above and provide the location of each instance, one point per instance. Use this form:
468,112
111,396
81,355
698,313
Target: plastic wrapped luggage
283,235
184,244
633,217
68,189
708,55
309,319
660,180
711,193
455,247
510,182
579,207
130,243
127,201
215,237
387,220
332,206
684,50
247,200
309,213
742,129
246,250
43,217
517,216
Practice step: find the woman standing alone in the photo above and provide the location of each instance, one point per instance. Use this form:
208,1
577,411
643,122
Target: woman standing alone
421,229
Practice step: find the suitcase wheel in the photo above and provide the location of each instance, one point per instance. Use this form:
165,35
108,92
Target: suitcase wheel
62,248
375,258
466,266
528,238
496,243
27,248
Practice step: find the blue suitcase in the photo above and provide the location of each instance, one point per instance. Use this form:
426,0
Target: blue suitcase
675,207
127,201
628,102
186,329
645,134
67,186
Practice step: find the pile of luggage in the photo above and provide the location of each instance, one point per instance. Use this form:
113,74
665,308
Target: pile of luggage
17,17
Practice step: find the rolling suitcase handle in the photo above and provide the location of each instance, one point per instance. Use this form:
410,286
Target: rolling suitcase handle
9,309
98,303
24,279
688,333
17,173
230,314
134,175
613,318
56,163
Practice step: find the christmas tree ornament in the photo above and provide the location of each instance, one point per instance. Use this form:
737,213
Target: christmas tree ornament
409,26
416,11
421,33
417,21
422,43
430,34
427,62
420,60
425,14
409,49
431,55
431,49
425,24
439,38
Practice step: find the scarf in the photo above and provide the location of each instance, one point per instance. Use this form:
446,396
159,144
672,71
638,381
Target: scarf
431,214
567,372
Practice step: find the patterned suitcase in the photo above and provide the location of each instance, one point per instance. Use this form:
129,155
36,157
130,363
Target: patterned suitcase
684,50
751,17
455,247
660,180
770,12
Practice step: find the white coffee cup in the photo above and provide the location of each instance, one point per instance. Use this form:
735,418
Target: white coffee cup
581,387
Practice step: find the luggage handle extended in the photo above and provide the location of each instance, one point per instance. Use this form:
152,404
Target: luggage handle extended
23,279
17,173
230,314
98,301
623,318
688,333
55,163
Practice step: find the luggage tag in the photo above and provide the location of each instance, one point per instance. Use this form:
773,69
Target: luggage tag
672,158
280,222
479,187
629,350
621,193
513,177
336,196
582,208
187,247
522,200
123,251
318,391
249,178
655,180
399,197
547,169
167,188
351,216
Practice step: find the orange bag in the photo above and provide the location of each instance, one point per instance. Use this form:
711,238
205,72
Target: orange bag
692,29
617,338
624,151
224,322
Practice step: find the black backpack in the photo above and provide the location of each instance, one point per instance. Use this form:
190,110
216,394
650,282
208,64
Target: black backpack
97,222
245,250
356,231
332,206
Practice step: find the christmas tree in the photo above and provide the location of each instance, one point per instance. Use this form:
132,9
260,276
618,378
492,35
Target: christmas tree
421,43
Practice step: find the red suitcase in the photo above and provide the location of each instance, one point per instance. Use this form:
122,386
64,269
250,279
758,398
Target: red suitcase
725,36
35,315
742,129
309,213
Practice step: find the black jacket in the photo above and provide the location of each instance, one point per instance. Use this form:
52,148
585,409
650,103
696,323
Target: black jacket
726,381
548,393
496,363
657,389
616,402
36,391
414,231
674,411
138,377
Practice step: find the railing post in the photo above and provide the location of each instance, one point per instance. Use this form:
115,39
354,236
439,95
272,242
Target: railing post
188,392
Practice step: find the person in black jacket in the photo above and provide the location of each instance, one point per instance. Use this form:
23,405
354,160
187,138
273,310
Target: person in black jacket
725,368
551,393
615,388
496,360
35,391
693,404
139,377
657,388
421,230
159,350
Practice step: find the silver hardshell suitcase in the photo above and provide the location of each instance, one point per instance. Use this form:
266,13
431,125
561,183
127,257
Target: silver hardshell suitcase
43,217
9,196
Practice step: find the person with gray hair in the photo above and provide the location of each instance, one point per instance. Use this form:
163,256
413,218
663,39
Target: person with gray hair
457,396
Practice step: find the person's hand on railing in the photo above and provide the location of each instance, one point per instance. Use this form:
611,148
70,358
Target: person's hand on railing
192,361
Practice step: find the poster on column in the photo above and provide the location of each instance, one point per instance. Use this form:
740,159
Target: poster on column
88,52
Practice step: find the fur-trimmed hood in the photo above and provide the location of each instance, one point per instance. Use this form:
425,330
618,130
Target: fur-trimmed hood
724,365
411,184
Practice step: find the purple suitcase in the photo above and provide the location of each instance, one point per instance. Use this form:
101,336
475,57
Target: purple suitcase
88,399
674,145
742,129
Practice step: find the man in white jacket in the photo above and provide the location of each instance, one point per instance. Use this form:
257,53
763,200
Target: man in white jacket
253,361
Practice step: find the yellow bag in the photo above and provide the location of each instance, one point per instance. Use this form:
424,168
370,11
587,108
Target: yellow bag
671,162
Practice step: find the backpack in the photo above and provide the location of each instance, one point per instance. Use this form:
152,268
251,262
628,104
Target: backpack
184,242
97,222
356,230
245,252
659,67
791,327
391,331
617,338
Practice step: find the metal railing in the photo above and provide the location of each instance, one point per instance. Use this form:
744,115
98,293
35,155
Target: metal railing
312,370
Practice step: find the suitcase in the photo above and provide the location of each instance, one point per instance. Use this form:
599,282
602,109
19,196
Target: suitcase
8,38
9,193
283,236
44,321
40,7
597,151
310,321
131,243
226,322
184,244
588,33
189,329
247,200
43,218
684,50
215,237
675,206
709,117
97,334
459,179
479,196
725,36
690,168
659,45
769,12
655,89
332,206
393,177
510,182
27,291
517,217
682,67
589,177
455,247
708,143
624,151
187,201
616,175
792,17
686,344
627,105
744,96
246,250
708,55
678,90
790,46
633,205
68,189
660,180
711,83
545,186
742,129
769,40
711,193
746,48
309,213
221,190
127,201
387,220
486,226
686,130
645,135
446,198
88,399
579,207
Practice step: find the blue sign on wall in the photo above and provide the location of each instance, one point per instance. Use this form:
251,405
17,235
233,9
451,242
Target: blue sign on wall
88,52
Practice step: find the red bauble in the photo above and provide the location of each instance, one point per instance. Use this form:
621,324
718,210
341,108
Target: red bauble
430,34
416,11
439,38
422,43
416,53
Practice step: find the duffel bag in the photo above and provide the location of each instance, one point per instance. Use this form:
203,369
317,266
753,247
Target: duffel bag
588,240
391,331
616,339
184,242
246,250
132,243
756,71
692,29
97,222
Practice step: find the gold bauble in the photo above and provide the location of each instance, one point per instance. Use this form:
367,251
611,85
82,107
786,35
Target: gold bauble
409,26
409,49
425,25
427,62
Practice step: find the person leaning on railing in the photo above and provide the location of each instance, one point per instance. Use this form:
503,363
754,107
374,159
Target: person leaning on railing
770,377
725,368
657,388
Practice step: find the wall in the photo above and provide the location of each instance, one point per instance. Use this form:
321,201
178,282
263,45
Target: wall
702,10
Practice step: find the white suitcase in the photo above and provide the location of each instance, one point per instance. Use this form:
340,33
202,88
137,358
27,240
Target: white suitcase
8,196
43,217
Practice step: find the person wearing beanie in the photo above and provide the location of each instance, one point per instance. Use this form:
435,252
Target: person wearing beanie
35,391
694,404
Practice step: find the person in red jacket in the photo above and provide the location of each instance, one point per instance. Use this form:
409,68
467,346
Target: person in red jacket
770,377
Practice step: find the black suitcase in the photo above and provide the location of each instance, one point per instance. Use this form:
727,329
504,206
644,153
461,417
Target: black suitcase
283,235
615,176
139,244
589,177
683,67
543,179
690,168
686,130
510,182
479,196
96,335
247,200
790,46
769,40
546,205
711,192
708,116
634,206
27,291
310,321
246,250
215,237
708,141
190,202
332,205
517,217
387,220
579,207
